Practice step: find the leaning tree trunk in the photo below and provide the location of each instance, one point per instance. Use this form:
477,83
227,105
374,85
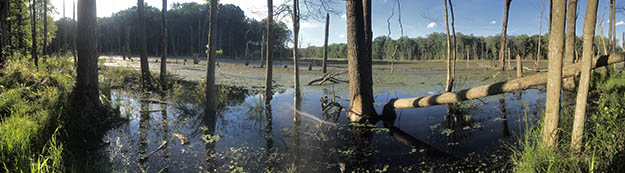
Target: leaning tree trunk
268,77
295,14
449,83
359,61
554,81
499,87
569,47
164,46
33,26
504,28
584,83
211,104
146,77
86,90
325,44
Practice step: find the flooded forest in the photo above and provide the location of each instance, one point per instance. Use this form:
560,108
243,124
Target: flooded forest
312,86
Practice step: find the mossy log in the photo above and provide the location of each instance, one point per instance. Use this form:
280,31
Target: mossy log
500,87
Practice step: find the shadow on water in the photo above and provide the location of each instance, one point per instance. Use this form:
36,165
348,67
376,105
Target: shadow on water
310,134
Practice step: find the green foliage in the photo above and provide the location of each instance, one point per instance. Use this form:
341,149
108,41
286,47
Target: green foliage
32,102
603,140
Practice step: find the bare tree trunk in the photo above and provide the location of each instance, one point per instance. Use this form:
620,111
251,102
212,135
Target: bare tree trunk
569,47
247,58
86,90
509,58
554,81
468,58
500,87
262,51
602,42
454,44
325,44
146,77
504,28
612,27
449,83
268,78
540,29
33,26
164,38
584,83
519,66
45,28
295,55
211,90
359,61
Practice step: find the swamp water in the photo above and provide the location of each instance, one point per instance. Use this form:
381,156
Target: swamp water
246,136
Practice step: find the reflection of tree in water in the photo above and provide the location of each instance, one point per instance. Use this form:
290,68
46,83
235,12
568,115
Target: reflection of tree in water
209,122
270,162
458,124
165,137
144,121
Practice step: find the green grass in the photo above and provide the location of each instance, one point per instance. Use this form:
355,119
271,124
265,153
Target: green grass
31,104
603,144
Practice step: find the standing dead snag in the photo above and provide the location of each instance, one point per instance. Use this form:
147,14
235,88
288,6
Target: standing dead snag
325,44
359,60
211,91
504,28
269,71
164,46
584,83
569,47
519,66
539,47
554,81
450,80
146,77
295,43
499,87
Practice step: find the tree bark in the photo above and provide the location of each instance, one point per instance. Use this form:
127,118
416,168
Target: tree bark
146,77
33,26
453,42
325,44
602,41
87,66
268,77
449,83
45,27
164,38
590,21
359,61
295,55
499,87
504,28
74,33
554,81
211,89
612,27
569,47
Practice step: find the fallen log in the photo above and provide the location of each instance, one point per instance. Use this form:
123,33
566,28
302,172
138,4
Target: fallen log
328,77
499,87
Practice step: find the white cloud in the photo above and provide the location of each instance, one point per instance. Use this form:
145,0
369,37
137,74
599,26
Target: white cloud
432,25
344,16
493,22
342,36
306,24
620,23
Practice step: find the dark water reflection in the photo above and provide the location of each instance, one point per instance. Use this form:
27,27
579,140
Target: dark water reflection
310,134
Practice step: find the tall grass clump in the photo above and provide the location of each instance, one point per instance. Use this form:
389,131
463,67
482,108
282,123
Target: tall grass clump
603,144
32,101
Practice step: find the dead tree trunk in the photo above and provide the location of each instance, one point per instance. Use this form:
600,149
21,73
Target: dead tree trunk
450,80
164,46
146,77
519,67
504,28
509,58
295,44
211,90
262,51
359,61
540,30
499,87
612,27
325,44
453,42
584,83
268,77
554,81
602,41
569,47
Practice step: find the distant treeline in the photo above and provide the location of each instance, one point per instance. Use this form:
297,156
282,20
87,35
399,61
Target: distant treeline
188,29
434,47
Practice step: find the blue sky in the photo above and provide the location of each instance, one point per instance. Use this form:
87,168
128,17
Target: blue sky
478,17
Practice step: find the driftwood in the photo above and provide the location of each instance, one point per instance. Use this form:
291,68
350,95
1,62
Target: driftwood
328,77
163,144
499,87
